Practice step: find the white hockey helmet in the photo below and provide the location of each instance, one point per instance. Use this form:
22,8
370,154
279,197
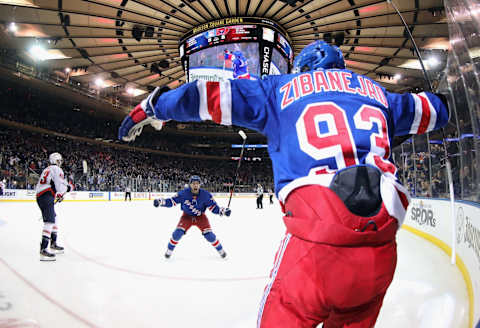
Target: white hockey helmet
56,159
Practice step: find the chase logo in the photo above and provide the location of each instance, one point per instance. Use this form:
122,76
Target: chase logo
95,195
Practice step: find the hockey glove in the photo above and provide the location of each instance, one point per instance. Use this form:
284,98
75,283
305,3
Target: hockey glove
59,198
225,211
142,115
159,202
70,186
226,54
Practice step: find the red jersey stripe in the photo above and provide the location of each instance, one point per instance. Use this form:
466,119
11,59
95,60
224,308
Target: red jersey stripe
213,101
44,191
425,120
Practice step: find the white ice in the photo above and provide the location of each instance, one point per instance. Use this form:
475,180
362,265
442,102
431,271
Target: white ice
113,273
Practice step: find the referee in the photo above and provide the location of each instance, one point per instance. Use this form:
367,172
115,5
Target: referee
128,193
259,196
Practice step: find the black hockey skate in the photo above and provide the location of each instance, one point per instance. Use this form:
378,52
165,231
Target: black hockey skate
168,253
222,253
46,255
56,249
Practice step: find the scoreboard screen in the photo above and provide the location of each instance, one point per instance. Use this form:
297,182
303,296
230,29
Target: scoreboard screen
279,64
249,49
215,64
284,46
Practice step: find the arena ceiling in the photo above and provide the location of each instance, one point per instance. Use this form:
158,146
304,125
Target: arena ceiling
93,38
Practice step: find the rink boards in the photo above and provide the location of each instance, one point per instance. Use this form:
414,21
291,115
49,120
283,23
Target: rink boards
20,195
428,218
432,220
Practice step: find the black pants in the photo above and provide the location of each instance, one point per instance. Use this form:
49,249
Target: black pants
129,195
260,201
271,199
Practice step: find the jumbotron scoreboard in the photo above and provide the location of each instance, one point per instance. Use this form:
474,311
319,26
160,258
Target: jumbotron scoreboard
213,51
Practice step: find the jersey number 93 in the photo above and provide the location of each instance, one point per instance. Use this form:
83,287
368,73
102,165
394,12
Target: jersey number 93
338,142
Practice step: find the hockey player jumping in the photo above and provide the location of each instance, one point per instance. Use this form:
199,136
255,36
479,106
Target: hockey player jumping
330,135
194,202
239,64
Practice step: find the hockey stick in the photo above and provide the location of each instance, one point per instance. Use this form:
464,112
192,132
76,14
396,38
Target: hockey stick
33,172
244,137
447,160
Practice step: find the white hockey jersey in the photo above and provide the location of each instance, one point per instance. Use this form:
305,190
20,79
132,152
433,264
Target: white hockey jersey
51,180
259,191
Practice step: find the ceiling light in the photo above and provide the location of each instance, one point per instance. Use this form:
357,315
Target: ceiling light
12,27
397,76
455,40
67,70
134,92
433,62
38,52
99,82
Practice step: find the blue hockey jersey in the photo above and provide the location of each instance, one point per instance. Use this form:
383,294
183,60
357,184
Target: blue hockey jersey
193,205
316,122
239,63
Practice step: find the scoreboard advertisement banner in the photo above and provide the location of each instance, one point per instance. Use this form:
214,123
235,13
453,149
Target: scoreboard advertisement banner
230,21
220,35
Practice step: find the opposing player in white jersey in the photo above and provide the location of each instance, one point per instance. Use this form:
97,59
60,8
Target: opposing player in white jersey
330,135
51,188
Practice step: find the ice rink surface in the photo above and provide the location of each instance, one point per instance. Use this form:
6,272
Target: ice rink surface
114,274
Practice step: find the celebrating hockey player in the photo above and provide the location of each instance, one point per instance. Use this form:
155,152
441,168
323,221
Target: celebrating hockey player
239,64
51,188
330,135
194,202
